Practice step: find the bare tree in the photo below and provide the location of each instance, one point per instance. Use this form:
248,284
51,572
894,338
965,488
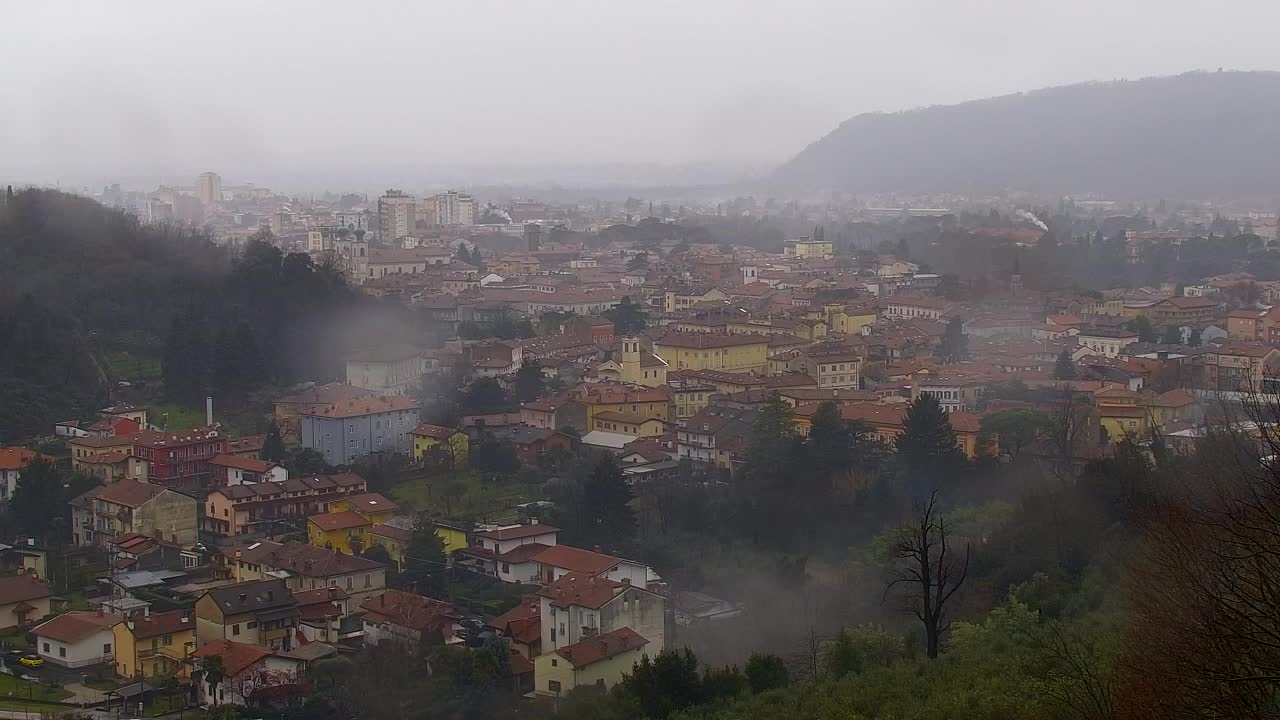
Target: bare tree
927,571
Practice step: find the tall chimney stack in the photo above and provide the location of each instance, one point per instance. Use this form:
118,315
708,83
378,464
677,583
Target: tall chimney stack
208,410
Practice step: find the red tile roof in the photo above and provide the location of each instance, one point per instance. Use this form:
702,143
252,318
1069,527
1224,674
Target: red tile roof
584,589
236,657
74,626
609,645
370,502
435,431
166,623
129,493
522,553
14,458
576,559
20,588
409,610
240,462
364,406
338,521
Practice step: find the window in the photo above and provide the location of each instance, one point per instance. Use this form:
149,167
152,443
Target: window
251,624
106,648
46,647
235,629
168,639
155,644
554,663
553,685
506,568
348,583
368,581
62,651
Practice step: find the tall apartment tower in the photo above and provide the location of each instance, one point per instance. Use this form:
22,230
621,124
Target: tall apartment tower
209,188
453,208
397,215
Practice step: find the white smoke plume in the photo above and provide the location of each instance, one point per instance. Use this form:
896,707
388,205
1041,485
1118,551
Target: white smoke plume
1031,218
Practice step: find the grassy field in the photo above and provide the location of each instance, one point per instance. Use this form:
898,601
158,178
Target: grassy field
175,417
462,495
14,689
124,365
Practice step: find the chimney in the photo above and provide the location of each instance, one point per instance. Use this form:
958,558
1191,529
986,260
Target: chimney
595,548
243,597
208,410
186,619
146,611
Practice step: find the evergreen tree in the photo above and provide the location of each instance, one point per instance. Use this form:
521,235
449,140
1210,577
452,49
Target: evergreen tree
1196,338
904,250
424,562
1172,335
769,471
485,396
37,499
628,317
273,445
955,344
1064,368
529,382
1146,331
766,672
185,364
927,448
665,684
606,500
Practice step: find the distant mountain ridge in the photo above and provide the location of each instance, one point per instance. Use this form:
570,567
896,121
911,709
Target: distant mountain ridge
1200,134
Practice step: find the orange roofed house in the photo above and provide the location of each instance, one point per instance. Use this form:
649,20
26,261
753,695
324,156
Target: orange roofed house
12,461
580,606
599,661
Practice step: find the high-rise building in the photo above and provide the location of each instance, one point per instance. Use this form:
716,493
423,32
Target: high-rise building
453,208
209,188
397,215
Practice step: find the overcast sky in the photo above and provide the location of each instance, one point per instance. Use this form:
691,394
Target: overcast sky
96,90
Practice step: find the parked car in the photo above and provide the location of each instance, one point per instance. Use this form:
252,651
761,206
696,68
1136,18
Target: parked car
33,661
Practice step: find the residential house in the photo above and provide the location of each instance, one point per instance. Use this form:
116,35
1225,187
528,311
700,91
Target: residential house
531,443
251,508
1108,341
1174,406
1119,414
307,567
1254,325
346,431
1180,311
1236,366
76,639
440,446
600,661
155,644
713,351
23,599
345,526
231,469
128,506
407,622
321,614
681,298
507,552
592,327
553,411
12,462
633,399
559,560
85,449
580,606
833,367
262,613
628,424
714,436
114,466
885,424
908,307
126,411
522,625
286,410
180,460
249,673
394,539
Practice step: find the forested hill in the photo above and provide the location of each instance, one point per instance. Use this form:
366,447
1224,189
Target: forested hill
1197,134
82,286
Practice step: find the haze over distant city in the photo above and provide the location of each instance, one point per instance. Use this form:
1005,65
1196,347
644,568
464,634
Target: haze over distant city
308,96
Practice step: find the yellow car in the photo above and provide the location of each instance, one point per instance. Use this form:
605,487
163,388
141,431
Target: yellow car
32,660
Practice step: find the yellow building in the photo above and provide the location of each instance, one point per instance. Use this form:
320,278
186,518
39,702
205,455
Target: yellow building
634,365
628,424
808,248
345,526
599,661
441,446
851,319
631,399
680,299
714,351
1119,413
152,645
395,539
